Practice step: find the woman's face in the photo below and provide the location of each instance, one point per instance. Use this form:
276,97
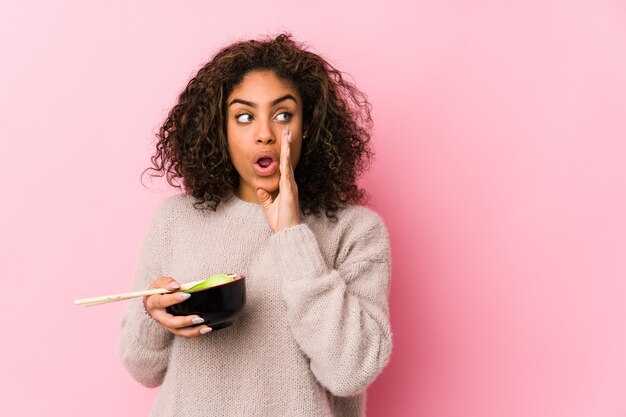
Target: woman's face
259,109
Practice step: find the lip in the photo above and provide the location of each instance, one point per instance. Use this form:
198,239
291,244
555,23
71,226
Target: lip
270,169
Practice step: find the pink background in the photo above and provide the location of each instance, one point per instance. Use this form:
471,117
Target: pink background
500,172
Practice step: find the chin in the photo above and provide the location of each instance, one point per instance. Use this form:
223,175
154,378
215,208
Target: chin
268,184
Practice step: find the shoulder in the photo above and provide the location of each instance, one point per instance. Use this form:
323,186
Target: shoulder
362,226
170,211
174,206
357,229
176,202
356,220
361,218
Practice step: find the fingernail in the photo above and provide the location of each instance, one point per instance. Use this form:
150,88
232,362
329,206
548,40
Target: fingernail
287,131
197,320
183,295
205,330
173,285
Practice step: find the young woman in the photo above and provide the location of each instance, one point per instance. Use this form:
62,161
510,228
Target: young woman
268,139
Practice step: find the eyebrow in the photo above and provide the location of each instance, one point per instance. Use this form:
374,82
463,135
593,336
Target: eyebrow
273,103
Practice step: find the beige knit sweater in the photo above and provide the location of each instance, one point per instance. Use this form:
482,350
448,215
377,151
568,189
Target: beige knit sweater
313,334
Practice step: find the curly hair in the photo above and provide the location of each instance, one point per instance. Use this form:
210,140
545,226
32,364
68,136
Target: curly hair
192,142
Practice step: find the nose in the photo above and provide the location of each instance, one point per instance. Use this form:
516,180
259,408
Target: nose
265,135
265,139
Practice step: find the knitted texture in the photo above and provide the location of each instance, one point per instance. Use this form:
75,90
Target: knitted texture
314,332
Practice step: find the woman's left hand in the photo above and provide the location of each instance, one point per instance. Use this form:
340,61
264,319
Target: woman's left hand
284,210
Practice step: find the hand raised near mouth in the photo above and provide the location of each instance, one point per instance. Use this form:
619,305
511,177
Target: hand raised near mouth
284,210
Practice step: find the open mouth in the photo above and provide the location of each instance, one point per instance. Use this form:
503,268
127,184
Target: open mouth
265,164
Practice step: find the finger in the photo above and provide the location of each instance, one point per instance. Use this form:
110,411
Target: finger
289,169
284,157
172,322
264,197
180,325
165,282
284,145
191,332
160,316
165,300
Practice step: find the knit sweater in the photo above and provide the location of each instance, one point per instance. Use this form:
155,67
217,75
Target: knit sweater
314,332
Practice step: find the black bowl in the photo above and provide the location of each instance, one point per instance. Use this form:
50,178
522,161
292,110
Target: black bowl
218,305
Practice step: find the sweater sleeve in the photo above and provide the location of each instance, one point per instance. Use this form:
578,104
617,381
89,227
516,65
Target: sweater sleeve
339,317
144,345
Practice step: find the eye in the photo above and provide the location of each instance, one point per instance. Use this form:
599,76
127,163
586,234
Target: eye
284,116
244,118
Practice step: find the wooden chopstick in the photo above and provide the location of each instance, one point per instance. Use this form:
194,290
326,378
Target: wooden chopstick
88,302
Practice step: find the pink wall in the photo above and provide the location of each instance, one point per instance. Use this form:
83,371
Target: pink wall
501,173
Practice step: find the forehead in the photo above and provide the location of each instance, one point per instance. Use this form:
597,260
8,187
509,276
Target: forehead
262,87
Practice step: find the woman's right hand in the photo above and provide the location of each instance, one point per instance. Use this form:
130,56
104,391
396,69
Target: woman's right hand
179,325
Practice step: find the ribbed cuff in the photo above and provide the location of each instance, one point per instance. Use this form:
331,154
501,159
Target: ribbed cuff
297,253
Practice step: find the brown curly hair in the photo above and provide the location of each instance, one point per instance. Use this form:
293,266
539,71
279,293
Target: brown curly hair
192,142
